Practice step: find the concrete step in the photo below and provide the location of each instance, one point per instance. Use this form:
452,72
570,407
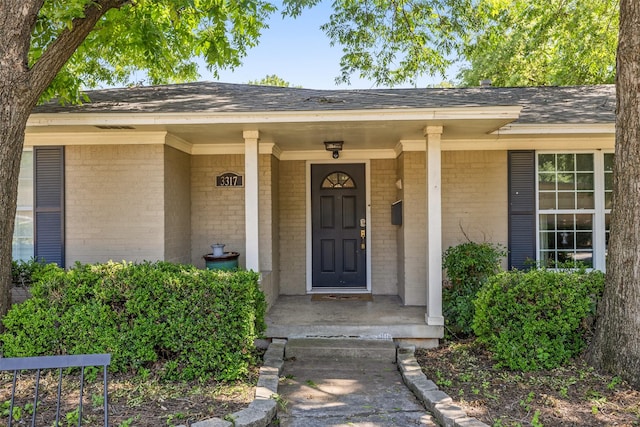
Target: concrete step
342,348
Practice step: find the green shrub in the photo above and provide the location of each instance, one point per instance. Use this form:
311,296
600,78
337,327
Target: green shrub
190,323
468,265
537,319
23,273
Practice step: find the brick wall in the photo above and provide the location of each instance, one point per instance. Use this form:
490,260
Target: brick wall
293,229
177,201
413,232
268,205
400,230
275,225
217,213
384,249
474,197
114,203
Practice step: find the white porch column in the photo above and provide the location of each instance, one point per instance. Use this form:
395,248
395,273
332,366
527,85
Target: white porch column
251,202
434,227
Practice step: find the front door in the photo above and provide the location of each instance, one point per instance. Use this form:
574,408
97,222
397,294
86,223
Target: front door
338,206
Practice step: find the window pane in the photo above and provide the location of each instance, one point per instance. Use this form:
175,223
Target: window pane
608,162
608,181
547,222
565,222
22,243
547,258
338,180
585,181
565,240
547,163
547,200
565,162
607,228
584,162
586,200
584,241
547,181
548,240
565,257
25,181
608,200
566,182
584,222
585,258
566,200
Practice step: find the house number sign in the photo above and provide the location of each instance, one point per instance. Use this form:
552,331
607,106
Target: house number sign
229,179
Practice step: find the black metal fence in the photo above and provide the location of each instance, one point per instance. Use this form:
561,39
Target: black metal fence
37,364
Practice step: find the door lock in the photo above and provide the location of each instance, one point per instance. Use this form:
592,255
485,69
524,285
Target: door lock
363,235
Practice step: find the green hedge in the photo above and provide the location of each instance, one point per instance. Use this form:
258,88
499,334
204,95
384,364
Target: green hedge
185,322
469,265
537,319
23,273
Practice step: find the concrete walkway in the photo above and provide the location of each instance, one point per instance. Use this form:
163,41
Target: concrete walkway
345,383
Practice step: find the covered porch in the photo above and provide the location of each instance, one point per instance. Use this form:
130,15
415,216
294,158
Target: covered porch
385,317
402,143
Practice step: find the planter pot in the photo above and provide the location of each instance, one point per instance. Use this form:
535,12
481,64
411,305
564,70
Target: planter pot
226,261
218,249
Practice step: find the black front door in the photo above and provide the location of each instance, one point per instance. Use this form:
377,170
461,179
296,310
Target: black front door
338,225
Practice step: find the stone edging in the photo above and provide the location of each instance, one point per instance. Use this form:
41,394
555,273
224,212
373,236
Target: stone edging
435,400
262,410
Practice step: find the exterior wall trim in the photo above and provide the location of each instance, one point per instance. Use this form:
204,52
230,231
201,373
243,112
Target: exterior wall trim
531,143
546,129
270,148
407,145
117,137
351,156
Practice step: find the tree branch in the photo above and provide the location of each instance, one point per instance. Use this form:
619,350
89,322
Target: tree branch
17,19
58,53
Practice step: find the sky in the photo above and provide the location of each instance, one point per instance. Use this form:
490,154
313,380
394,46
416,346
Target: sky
297,51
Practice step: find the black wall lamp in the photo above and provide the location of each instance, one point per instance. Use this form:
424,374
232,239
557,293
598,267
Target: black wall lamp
334,146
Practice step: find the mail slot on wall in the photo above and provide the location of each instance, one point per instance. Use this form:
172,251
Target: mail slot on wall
396,213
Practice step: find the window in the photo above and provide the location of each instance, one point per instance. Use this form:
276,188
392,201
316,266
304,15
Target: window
22,244
574,202
608,196
338,180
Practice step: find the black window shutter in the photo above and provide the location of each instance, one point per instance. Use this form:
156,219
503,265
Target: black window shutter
522,209
48,172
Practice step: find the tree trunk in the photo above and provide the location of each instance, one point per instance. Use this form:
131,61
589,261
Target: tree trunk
17,98
14,113
20,89
616,345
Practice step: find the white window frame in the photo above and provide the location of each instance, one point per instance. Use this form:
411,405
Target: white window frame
599,211
30,208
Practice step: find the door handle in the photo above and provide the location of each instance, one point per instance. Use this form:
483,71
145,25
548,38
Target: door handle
363,235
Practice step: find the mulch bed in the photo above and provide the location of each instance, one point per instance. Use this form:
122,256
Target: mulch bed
133,401
575,395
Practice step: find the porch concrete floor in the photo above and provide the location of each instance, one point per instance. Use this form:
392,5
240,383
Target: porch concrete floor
383,318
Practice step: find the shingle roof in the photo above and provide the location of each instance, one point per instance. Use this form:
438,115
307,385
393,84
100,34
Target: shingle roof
573,104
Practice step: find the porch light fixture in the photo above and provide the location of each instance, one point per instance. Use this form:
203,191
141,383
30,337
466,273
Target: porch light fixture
334,146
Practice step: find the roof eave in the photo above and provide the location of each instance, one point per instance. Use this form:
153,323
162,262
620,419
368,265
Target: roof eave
555,129
133,118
